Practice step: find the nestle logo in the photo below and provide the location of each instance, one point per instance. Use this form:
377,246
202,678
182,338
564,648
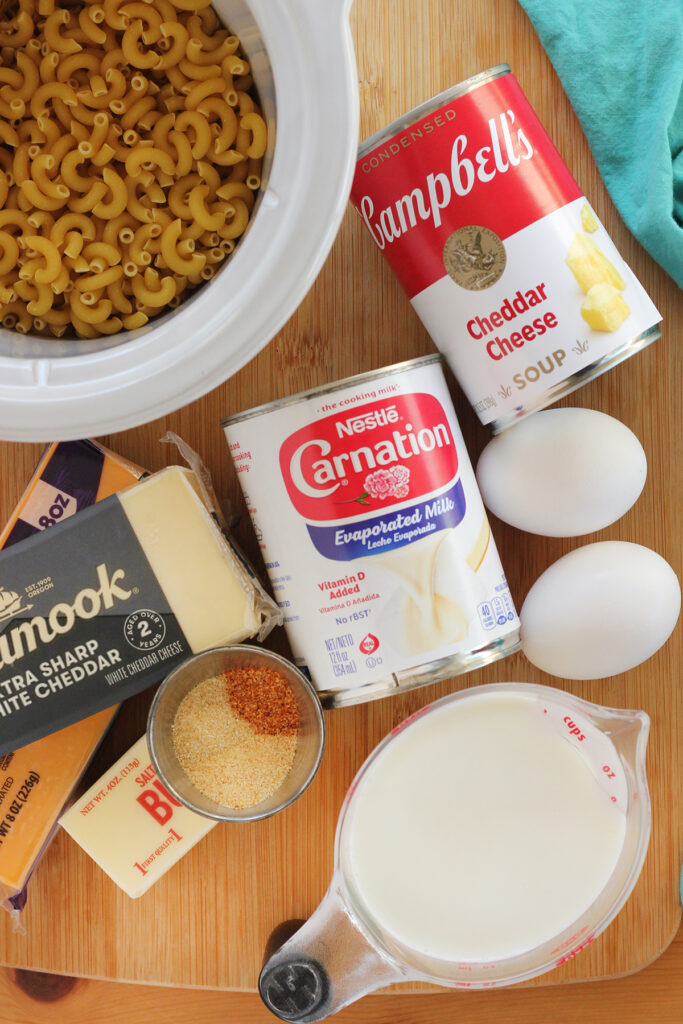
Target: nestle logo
368,421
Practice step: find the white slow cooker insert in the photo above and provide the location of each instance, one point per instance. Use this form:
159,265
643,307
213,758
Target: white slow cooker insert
302,58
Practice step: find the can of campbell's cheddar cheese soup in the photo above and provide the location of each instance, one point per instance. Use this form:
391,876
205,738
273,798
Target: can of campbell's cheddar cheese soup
500,253
374,533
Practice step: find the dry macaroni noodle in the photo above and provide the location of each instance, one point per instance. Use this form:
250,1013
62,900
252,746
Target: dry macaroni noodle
131,150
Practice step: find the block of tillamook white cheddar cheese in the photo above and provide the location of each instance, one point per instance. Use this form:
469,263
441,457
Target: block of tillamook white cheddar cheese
197,571
104,604
131,825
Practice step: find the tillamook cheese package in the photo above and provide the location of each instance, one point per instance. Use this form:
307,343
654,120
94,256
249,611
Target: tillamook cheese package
37,780
104,604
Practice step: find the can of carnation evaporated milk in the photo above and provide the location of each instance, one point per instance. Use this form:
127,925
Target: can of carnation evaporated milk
374,533
504,260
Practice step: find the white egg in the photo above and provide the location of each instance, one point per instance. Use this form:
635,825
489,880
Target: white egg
600,610
562,472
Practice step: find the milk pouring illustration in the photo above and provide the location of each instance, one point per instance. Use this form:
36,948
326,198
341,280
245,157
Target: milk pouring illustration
374,533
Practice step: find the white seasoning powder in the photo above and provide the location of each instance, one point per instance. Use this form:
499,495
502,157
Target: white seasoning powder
223,754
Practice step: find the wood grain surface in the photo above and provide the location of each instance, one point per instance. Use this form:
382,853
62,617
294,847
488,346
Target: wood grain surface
654,994
207,922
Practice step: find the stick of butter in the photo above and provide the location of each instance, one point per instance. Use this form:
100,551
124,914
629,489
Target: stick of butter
131,825
103,605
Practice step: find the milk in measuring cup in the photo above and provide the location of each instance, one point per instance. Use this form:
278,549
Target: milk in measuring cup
485,829
374,533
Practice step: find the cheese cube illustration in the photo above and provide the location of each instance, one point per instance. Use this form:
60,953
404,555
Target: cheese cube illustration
589,221
604,308
590,266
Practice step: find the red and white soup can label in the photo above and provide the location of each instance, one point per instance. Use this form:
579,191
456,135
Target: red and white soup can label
373,531
499,251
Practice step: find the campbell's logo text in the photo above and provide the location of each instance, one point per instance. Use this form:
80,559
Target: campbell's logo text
406,451
490,166
505,151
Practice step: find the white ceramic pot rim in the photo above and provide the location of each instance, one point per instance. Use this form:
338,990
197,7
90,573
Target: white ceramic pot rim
210,337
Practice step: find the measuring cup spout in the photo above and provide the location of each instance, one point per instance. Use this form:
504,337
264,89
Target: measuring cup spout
629,731
325,966
640,726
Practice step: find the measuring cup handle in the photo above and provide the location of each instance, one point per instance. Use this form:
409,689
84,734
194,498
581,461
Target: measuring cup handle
296,988
327,964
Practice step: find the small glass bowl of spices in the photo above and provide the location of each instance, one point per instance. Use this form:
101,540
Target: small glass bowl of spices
236,733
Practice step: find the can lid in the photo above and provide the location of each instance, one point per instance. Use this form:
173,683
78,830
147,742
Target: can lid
336,385
452,93
296,990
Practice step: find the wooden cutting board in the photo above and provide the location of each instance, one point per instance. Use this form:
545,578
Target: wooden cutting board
207,922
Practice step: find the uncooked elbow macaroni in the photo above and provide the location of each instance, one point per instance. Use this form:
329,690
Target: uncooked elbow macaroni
130,154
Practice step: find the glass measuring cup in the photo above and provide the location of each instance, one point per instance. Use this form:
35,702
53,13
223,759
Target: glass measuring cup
343,952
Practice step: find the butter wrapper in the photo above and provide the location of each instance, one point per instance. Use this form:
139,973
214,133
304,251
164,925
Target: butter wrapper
131,825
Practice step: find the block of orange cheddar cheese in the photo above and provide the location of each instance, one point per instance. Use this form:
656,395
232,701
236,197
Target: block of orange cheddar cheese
36,781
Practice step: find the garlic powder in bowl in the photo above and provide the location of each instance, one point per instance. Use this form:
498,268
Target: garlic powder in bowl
235,735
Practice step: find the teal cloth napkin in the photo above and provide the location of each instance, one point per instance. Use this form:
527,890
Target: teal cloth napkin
621,64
